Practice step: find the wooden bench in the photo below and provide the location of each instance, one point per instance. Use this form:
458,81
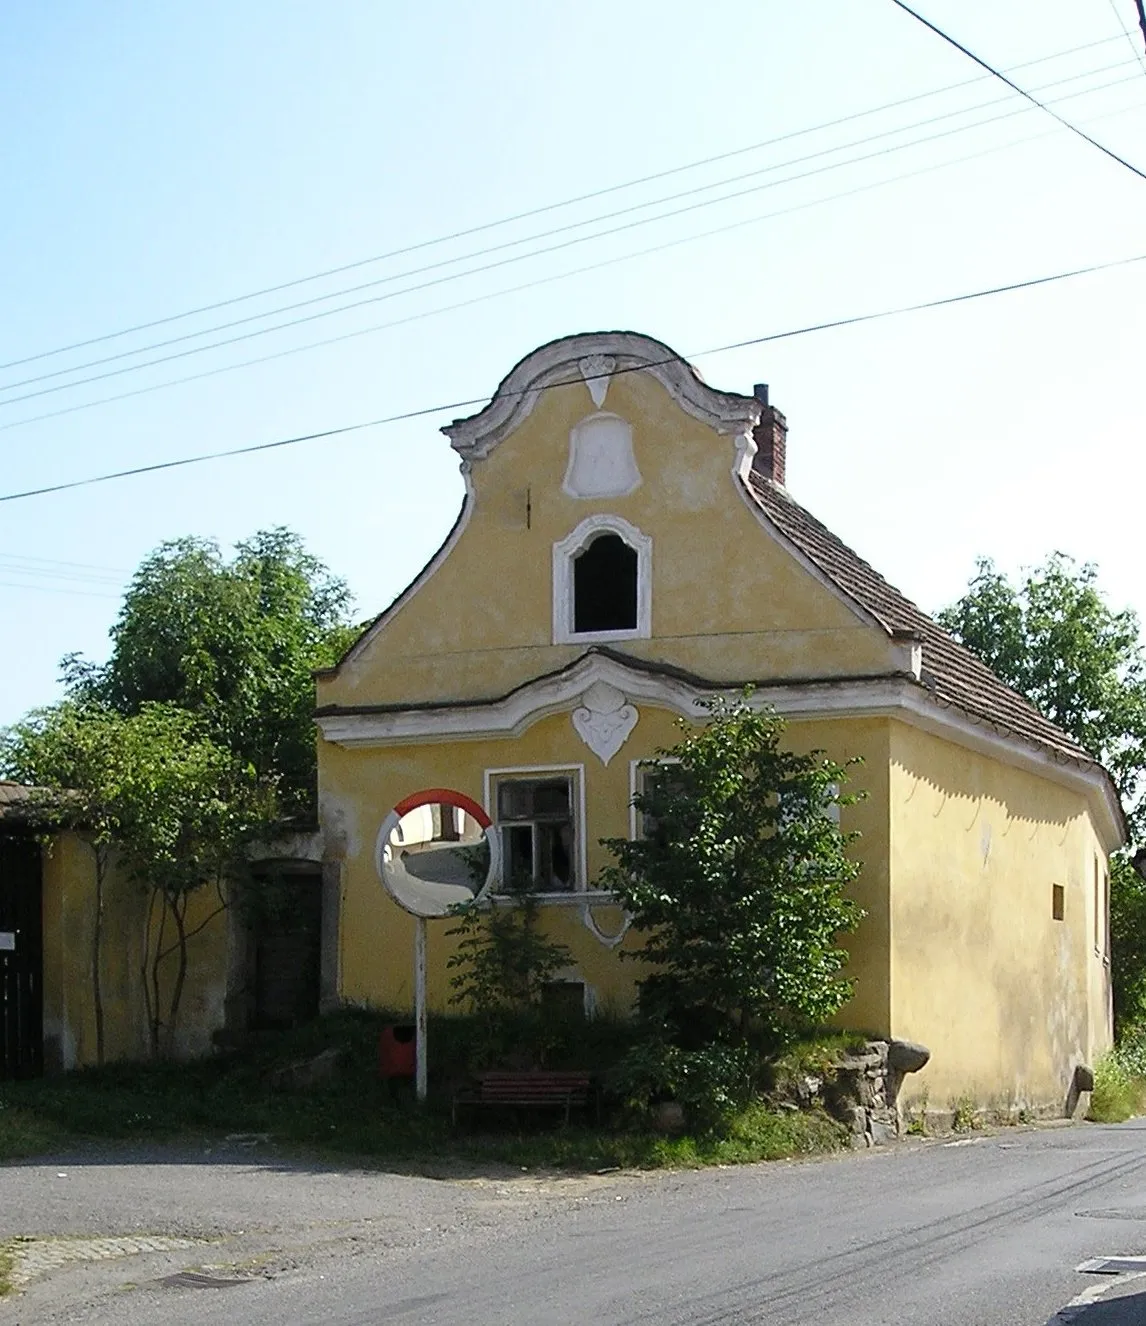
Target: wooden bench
529,1089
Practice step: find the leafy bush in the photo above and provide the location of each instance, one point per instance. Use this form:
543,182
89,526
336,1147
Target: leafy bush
712,1082
1118,1092
740,890
501,967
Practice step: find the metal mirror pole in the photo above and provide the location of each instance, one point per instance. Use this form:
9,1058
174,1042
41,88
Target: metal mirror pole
420,1006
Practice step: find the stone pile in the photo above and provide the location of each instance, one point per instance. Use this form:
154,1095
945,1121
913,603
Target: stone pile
862,1089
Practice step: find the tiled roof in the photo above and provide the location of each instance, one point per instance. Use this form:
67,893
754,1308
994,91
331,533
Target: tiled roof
13,796
950,671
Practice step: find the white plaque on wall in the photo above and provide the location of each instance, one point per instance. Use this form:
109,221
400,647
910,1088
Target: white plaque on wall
7,941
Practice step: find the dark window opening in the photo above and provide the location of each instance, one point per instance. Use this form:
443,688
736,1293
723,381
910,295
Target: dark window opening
605,586
535,817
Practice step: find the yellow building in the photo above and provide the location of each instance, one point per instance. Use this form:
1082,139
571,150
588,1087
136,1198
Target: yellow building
627,547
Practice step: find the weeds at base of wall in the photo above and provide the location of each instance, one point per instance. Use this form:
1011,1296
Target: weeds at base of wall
1119,1093
916,1115
964,1115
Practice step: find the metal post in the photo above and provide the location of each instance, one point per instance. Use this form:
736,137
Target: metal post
420,1005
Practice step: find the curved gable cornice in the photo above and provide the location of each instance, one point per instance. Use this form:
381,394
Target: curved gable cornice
585,358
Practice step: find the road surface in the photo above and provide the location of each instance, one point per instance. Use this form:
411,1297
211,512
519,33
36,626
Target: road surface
983,1231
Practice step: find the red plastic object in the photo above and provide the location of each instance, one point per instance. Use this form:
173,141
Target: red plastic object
396,1051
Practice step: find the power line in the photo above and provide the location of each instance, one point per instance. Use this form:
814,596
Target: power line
1126,31
546,250
1106,151
851,321
538,281
536,211
542,235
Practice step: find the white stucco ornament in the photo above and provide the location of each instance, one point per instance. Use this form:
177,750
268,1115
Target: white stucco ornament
597,370
604,720
601,460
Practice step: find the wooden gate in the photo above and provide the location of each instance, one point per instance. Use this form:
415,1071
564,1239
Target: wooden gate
21,958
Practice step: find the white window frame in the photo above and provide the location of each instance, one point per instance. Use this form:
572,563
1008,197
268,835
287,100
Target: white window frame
576,774
635,787
564,554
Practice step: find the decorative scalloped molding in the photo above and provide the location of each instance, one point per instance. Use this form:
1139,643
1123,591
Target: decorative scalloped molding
879,697
559,363
567,549
589,921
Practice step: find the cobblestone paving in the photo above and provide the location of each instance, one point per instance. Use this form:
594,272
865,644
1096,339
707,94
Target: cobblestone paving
33,1257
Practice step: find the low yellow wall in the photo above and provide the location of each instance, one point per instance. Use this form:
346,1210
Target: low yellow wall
69,1010
1007,998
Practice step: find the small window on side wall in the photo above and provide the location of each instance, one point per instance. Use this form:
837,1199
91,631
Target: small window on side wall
1058,901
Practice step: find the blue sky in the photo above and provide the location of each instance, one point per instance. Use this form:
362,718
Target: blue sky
158,158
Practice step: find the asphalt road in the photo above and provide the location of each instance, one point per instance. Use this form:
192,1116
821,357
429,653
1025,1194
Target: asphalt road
981,1232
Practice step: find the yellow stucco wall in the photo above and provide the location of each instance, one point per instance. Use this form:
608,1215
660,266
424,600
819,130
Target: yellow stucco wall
1007,998
361,785
69,1016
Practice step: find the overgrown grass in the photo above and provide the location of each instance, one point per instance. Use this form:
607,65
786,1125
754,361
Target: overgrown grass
7,1261
357,1115
814,1055
1119,1091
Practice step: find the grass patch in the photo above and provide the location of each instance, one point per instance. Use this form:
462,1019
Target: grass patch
357,1115
7,1262
1119,1092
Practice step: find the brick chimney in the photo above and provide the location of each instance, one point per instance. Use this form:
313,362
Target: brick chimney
771,435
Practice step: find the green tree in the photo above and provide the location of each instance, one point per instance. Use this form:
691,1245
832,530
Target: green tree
172,807
740,886
1055,639
233,642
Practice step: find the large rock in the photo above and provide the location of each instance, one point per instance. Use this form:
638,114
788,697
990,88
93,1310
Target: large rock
1083,1078
907,1056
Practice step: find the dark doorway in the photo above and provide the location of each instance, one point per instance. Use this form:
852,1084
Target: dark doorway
605,586
21,958
287,947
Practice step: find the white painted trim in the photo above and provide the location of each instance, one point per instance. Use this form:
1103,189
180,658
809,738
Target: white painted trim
581,845
564,553
890,697
559,363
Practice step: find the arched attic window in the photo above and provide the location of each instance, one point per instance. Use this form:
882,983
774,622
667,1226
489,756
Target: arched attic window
605,586
602,582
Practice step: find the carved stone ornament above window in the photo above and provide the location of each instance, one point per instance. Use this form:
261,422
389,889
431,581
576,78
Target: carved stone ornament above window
605,720
601,460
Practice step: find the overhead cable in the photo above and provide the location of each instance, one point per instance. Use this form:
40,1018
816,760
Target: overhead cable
854,320
559,246
535,211
1066,124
